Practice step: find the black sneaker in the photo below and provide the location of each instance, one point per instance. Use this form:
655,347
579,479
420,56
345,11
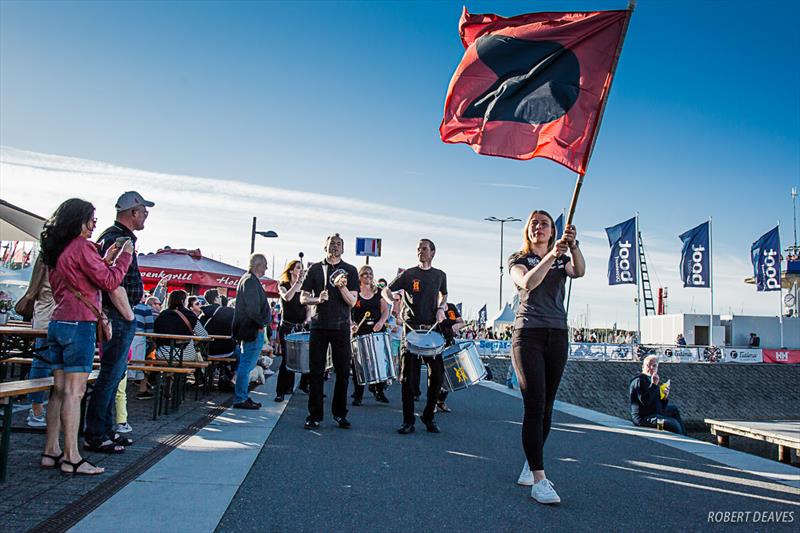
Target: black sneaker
405,429
311,424
247,404
147,395
431,427
381,397
342,421
279,398
358,401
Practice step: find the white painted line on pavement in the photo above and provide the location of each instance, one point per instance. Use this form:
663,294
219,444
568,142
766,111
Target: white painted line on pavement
745,462
202,474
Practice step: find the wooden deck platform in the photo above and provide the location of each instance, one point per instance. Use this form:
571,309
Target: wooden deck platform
783,433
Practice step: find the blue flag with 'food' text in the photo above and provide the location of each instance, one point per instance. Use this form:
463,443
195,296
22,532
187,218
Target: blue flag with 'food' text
766,257
696,257
622,264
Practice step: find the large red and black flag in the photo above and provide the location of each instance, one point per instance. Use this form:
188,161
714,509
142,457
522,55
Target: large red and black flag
533,85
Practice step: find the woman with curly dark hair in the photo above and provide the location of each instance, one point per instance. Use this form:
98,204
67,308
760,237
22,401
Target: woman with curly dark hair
77,275
539,344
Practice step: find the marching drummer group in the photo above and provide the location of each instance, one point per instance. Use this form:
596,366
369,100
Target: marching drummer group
346,308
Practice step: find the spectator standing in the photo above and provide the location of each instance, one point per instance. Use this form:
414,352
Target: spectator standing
680,341
77,275
43,306
99,434
754,341
251,315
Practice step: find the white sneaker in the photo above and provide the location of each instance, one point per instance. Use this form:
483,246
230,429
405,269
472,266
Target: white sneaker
123,428
269,372
34,421
526,476
543,492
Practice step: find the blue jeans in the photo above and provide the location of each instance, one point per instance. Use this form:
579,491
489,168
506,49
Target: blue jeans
113,364
247,362
40,369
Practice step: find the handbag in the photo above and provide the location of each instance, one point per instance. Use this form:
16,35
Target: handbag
103,323
198,356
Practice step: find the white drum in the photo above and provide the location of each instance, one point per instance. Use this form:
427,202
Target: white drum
298,355
373,359
462,366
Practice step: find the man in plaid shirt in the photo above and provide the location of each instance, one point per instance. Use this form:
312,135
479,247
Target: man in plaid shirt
99,433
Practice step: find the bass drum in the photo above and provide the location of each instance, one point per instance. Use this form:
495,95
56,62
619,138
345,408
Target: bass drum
298,355
373,360
462,366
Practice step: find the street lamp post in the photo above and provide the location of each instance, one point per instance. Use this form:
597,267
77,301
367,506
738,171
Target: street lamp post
253,233
502,222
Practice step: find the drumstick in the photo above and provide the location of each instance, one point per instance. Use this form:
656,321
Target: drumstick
366,316
433,326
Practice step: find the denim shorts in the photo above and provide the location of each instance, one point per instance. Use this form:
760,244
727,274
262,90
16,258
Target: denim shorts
72,345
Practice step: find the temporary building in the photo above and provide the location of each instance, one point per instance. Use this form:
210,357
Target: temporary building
504,317
190,271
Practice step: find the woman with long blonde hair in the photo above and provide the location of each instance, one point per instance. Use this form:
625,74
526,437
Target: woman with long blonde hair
369,301
539,345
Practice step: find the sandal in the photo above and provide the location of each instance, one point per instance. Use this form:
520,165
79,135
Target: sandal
107,446
76,466
122,440
56,461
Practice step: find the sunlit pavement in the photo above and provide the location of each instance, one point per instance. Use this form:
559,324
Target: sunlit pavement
610,475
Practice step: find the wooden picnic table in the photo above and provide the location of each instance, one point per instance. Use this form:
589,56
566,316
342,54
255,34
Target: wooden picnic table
18,340
783,433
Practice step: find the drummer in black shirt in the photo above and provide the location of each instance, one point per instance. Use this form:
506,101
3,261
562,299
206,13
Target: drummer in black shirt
369,316
294,318
332,286
425,301
449,327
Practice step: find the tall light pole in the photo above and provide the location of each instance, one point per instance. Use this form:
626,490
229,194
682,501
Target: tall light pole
502,222
253,233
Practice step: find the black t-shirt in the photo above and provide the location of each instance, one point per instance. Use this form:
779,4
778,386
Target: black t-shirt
334,313
543,307
421,290
219,321
373,305
450,318
169,321
293,311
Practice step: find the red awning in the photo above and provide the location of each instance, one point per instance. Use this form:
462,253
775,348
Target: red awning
189,267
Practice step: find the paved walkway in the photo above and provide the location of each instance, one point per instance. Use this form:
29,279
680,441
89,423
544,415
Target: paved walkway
263,472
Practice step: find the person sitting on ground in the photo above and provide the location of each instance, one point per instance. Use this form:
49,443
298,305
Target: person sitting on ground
177,319
647,406
680,341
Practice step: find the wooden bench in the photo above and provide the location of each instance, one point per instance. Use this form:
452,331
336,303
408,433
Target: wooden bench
10,390
784,433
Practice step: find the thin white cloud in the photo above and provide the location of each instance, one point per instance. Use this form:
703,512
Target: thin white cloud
511,186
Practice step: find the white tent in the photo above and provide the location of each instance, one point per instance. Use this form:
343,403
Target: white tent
17,224
504,317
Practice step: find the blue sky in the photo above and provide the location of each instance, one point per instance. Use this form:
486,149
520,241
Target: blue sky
346,99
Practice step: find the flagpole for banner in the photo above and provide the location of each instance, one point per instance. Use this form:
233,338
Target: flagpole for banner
579,182
711,284
569,285
638,286
780,291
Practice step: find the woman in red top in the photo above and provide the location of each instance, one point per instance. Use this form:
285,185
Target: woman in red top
77,275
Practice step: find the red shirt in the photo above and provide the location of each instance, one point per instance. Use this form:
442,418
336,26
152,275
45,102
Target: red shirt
81,266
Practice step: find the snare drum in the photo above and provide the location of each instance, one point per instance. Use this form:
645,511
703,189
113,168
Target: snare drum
372,359
424,343
462,366
298,357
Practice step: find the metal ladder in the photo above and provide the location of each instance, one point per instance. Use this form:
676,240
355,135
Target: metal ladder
647,292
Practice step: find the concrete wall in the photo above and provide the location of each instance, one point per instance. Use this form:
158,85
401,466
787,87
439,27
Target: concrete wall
733,392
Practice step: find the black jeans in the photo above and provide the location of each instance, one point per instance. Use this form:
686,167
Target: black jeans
539,356
409,378
342,353
285,382
671,417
